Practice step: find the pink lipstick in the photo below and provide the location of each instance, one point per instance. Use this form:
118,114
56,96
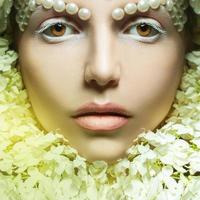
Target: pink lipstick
107,117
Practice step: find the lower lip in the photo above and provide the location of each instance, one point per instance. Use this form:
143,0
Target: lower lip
101,122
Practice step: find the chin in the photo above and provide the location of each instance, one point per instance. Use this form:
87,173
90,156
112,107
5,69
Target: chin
103,149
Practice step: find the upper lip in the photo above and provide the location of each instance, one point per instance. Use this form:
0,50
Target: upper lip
109,108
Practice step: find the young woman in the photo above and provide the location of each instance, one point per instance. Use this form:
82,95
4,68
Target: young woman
100,76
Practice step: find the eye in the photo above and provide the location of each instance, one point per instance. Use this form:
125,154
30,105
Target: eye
145,30
57,30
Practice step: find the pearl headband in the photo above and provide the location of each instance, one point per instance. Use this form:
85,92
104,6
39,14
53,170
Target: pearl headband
176,8
25,9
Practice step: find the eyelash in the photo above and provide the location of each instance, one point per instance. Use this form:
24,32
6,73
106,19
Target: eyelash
155,25
52,39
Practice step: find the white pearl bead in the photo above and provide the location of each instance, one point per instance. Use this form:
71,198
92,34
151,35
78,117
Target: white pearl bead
163,2
154,4
118,14
84,13
47,4
169,5
38,2
143,5
59,5
130,8
71,8
32,5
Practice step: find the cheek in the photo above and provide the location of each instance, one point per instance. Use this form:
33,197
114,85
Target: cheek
152,75
51,71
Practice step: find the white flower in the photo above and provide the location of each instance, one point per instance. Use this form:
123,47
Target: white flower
192,191
159,138
175,154
194,160
38,165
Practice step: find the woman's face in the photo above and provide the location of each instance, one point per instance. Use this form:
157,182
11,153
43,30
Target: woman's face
67,63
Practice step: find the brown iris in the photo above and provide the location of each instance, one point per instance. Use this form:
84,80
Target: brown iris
58,29
144,30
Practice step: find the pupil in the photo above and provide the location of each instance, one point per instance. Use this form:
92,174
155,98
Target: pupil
144,27
58,27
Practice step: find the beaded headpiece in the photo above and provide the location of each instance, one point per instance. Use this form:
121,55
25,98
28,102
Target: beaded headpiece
175,7
24,8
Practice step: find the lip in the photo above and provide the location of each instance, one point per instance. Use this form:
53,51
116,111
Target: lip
106,117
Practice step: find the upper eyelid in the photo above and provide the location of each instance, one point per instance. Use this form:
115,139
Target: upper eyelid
143,20
47,23
149,21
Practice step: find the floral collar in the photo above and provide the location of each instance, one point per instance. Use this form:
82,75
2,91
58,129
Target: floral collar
164,164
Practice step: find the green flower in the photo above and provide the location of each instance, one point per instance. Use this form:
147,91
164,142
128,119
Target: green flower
194,58
5,8
195,4
7,57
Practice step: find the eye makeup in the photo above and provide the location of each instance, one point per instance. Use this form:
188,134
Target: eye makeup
145,30
158,21
57,30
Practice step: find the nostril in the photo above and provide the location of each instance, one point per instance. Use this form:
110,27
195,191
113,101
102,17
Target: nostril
107,84
113,82
93,84
101,79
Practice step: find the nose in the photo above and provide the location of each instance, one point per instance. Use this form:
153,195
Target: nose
102,68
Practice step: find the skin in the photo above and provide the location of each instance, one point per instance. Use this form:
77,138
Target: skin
101,64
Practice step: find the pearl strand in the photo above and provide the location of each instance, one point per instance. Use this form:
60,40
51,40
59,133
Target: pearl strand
176,9
145,5
60,6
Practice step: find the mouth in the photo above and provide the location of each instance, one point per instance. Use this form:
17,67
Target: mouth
107,117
